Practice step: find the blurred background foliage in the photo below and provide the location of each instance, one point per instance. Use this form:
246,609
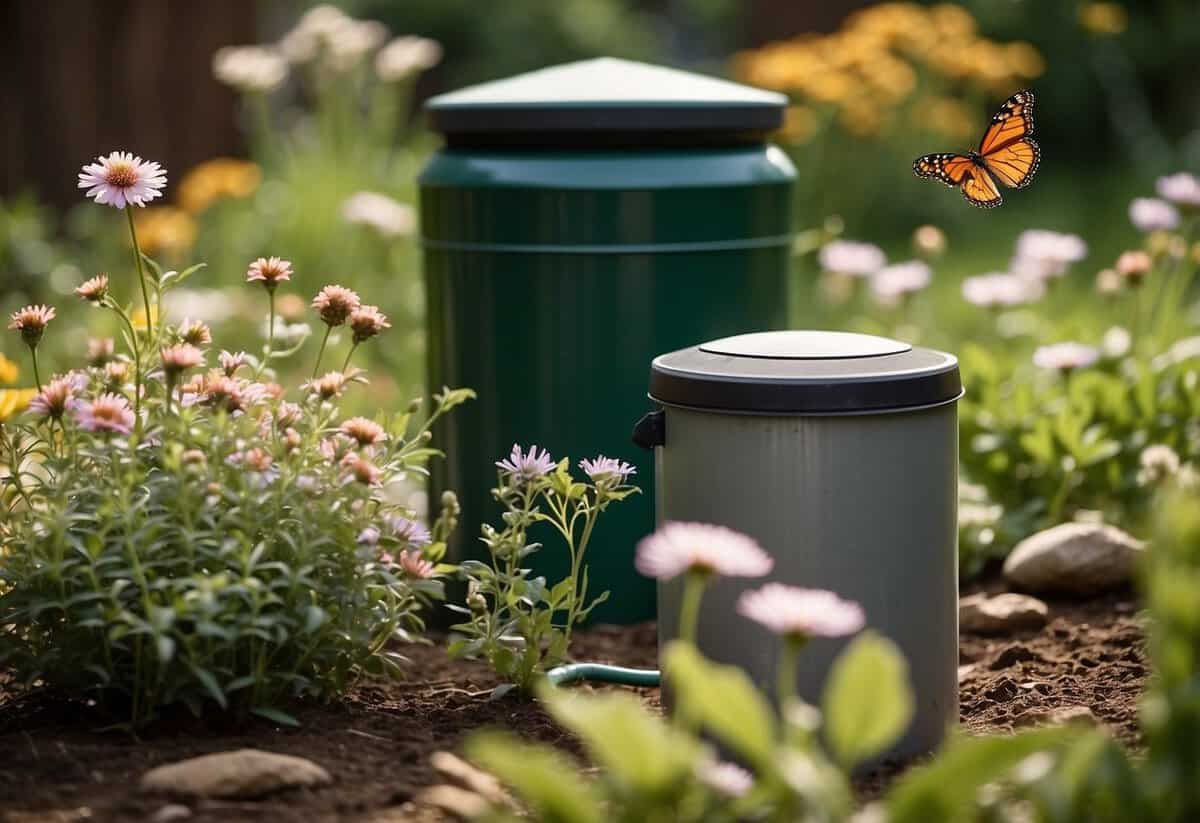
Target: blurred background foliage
327,102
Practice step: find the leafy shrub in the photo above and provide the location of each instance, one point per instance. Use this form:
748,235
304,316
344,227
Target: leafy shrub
201,539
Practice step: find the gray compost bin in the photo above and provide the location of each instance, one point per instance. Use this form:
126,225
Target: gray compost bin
838,452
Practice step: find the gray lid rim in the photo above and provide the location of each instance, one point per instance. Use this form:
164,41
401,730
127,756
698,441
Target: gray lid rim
702,387
812,412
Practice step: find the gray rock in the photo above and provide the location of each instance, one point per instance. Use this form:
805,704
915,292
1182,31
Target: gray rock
1073,558
171,813
243,773
1059,716
1001,614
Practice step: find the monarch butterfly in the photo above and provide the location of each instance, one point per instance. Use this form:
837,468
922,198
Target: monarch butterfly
1006,153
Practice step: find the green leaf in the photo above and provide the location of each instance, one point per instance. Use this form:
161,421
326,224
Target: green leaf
946,789
867,702
276,716
637,748
210,685
545,779
723,700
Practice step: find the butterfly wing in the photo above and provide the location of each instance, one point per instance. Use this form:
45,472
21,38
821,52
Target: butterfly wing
1014,164
951,169
979,188
961,172
1013,122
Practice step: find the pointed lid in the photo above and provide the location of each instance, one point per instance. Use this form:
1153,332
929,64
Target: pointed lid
607,95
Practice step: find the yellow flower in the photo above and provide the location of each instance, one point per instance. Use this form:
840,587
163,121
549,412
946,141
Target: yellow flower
892,78
948,116
861,118
14,401
1024,60
952,21
216,179
165,229
830,86
8,370
1103,19
139,318
799,124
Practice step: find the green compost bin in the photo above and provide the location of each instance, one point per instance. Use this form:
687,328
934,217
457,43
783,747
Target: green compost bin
579,221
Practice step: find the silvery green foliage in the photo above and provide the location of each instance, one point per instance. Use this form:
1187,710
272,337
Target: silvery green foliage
519,623
233,549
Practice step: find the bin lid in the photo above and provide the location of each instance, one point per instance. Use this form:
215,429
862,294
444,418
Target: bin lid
805,372
601,99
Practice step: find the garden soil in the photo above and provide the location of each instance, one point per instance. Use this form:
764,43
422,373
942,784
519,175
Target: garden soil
376,743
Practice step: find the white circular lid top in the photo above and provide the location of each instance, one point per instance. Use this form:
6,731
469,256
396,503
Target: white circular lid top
805,345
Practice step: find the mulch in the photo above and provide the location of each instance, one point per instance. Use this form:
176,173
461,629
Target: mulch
376,742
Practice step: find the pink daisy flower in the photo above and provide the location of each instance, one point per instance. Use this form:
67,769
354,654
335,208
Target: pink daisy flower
57,396
409,532
415,565
680,547
1065,357
107,413
270,271
122,179
603,469
791,611
526,467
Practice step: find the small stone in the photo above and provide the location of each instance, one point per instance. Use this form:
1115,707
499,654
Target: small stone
1002,614
1060,716
1074,558
171,813
452,800
244,773
965,670
461,773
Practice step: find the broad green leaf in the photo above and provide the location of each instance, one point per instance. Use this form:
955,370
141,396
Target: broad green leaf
210,685
867,702
723,700
542,777
276,716
945,790
637,749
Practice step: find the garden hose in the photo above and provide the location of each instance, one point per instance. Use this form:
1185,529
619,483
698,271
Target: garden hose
602,673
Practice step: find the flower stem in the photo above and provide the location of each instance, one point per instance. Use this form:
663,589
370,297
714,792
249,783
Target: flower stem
349,354
137,362
321,351
785,670
37,378
137,259
270,331
689,613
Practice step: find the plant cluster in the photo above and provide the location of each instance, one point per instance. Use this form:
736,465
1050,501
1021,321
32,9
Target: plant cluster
180,531
1091,428
1080,401
517,622
792,761
334,151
